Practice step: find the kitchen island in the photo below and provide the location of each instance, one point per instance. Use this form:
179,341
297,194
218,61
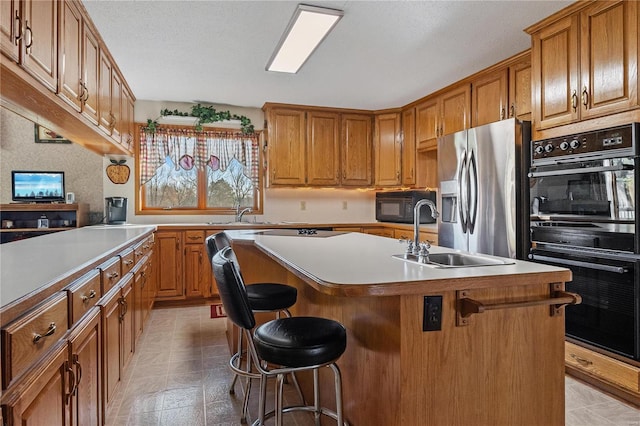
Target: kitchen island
503,365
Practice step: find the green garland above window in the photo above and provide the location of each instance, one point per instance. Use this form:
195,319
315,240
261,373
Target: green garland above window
205,114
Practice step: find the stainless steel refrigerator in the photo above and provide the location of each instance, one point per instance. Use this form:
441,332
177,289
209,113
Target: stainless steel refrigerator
482,193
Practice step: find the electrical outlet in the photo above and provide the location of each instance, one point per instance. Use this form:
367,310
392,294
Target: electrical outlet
303,205
432,317
344,205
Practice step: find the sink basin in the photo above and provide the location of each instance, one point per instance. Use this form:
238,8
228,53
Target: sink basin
455,260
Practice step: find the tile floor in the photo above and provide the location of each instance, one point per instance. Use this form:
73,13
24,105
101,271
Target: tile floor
179,376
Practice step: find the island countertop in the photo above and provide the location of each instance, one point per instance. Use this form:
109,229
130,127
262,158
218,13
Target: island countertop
28,266
363,265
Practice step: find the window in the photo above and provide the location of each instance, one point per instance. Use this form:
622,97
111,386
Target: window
181,170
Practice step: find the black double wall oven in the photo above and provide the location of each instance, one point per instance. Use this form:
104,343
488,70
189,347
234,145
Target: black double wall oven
584,216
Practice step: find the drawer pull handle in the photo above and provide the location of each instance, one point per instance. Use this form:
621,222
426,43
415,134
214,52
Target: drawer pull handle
113,275
73,384
128,262
91,295
580,360
193,237
52,329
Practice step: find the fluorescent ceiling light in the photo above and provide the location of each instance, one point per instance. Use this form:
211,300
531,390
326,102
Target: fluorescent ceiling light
306,30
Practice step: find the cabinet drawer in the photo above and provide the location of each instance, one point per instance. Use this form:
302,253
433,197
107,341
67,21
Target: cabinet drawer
601,366
143,248
27,338
110,273
128,260
194,237
83,294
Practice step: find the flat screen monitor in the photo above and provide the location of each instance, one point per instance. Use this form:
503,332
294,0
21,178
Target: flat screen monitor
37,186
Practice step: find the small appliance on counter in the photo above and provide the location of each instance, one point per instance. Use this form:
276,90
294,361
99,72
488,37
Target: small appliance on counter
116,210
397,206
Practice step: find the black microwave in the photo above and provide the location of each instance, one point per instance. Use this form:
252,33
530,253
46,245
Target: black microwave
397,206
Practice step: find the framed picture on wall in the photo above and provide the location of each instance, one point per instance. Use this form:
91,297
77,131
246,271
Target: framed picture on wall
44,135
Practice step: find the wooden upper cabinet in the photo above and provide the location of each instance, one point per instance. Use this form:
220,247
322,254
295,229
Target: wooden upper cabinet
70,57
585,64
427,124
554,55
286,146
520,90
90,73
29,31
608,58
117,124
409,147
489,98
323,148
454,108
357,143
387,150
10,21
105,118
442,114
128,123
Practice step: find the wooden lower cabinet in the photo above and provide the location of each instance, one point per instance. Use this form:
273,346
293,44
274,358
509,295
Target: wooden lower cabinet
168,250
43,400
407,234
85,355
111,311
381,231
127,324
182,266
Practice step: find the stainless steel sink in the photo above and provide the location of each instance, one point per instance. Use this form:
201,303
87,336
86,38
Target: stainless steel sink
454,260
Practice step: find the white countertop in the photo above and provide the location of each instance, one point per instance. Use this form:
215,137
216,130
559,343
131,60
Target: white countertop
360,259
27,265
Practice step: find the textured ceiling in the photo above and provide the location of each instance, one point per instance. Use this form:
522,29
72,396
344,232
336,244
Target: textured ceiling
382,54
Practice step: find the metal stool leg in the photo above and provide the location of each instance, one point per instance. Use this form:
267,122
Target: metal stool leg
239,352
338,387
316,396
279,398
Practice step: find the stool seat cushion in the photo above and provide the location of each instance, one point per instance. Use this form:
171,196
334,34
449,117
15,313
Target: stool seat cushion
300,341
271,296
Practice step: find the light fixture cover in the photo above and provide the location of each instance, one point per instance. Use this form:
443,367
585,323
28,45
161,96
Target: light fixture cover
306,30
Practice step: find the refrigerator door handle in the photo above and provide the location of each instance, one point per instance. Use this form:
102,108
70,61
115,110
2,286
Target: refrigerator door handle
463,186
472,170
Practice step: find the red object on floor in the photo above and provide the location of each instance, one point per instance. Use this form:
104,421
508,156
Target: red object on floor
217,311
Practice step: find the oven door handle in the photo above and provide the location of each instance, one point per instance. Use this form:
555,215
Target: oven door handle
589,265
616,168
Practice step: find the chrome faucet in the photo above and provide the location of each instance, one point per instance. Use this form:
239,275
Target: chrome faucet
418,249
240,213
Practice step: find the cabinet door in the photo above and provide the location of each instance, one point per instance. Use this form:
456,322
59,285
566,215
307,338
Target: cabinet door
388,149
85,353
10,27
110,311
409,147
554,54
116,106
287,147
139,301
128,127
427,124
70,55
105,117
520,90
608,58
489,98
127,323
454,107
323,148
169,265
90,73
40,41
46,402
194,272
357,145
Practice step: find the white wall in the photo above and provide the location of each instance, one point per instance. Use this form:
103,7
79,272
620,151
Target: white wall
18,151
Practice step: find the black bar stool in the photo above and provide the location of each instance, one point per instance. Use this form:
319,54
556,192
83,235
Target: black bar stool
263,297
282,346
